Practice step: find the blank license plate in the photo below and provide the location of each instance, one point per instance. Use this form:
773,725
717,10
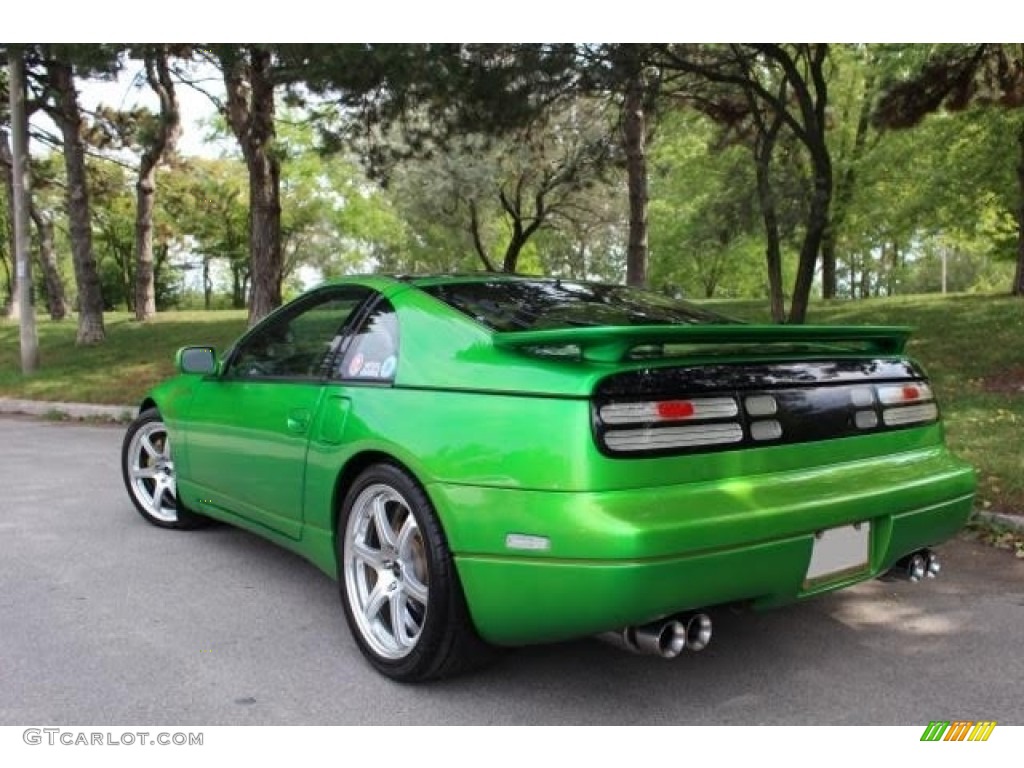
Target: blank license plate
839,551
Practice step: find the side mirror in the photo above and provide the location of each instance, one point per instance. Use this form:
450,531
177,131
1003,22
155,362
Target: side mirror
196,360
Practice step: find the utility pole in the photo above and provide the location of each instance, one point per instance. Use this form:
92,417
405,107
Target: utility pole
23,270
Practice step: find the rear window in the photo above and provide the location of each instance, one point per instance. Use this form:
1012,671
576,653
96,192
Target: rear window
534,305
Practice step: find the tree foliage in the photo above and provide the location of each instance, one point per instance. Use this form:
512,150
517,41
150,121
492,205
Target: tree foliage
704,170
954,78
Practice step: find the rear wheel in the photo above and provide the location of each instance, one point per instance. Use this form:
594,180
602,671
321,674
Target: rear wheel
147,467
401,594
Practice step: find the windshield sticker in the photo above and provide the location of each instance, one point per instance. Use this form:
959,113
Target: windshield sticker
371,370
356,365
387,368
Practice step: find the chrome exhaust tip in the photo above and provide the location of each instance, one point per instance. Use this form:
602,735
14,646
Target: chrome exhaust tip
666,638
698,631
915,567
662,638
932,564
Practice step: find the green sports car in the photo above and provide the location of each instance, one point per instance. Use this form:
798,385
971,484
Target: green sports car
487,460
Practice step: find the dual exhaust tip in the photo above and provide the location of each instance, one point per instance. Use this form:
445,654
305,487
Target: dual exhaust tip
916,566
669,637
666,638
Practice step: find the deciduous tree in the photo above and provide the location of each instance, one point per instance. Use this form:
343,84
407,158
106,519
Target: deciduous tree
55,80
954,77
249,107
159,141
784,86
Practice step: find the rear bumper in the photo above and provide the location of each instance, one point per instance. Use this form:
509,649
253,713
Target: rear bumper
626,557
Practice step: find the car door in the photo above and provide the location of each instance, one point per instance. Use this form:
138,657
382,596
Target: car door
248,428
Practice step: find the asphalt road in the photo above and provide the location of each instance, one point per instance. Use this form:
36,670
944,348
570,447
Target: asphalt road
105,619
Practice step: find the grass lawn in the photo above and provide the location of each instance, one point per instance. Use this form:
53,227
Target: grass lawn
134,357
971,346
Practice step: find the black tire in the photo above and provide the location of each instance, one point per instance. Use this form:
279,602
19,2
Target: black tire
407,572
147,469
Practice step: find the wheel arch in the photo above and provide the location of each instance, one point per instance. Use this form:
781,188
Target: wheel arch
352,468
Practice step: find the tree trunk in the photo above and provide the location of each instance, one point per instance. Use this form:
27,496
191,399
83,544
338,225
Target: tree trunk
69,120
764,148
237,288
515,208
635,135
239,285
884,271
894,269
810,89
773,248
812,96
159,266
817,224
828,261
159,77
19,172
250,112
7,161
865,275
844,190
477,235
510,262
9,283
145,202
207,284
124,260
56,301
1018,278
265,237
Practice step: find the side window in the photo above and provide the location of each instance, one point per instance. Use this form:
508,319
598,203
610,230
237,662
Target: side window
373,353
298,342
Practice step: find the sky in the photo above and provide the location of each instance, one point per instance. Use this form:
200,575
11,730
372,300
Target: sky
523,21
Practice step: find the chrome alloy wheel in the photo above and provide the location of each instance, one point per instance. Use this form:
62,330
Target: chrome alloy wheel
386,576
150,471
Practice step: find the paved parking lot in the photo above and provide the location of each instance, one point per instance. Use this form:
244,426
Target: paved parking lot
107,620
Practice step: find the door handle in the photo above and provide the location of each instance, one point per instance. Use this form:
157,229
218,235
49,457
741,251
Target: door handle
298,421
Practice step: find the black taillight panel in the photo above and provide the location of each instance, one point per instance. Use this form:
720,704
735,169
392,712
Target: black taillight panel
668,411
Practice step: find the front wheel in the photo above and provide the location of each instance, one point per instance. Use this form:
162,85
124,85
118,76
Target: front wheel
401,594
147,467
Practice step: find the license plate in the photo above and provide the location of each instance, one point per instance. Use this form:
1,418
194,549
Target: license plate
838,552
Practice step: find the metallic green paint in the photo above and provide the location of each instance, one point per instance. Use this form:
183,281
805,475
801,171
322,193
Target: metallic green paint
610,344
256,431
502,442
520,600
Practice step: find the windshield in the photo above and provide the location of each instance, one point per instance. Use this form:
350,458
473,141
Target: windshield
534,305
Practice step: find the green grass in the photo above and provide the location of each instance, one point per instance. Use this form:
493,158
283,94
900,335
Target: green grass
134,357
968,344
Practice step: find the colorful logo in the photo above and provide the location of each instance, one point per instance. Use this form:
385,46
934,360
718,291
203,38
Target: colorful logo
958,730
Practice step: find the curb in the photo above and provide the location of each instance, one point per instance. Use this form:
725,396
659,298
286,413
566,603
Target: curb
59,410
1014,522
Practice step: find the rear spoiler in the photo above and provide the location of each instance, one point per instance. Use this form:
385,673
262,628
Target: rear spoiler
608,344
